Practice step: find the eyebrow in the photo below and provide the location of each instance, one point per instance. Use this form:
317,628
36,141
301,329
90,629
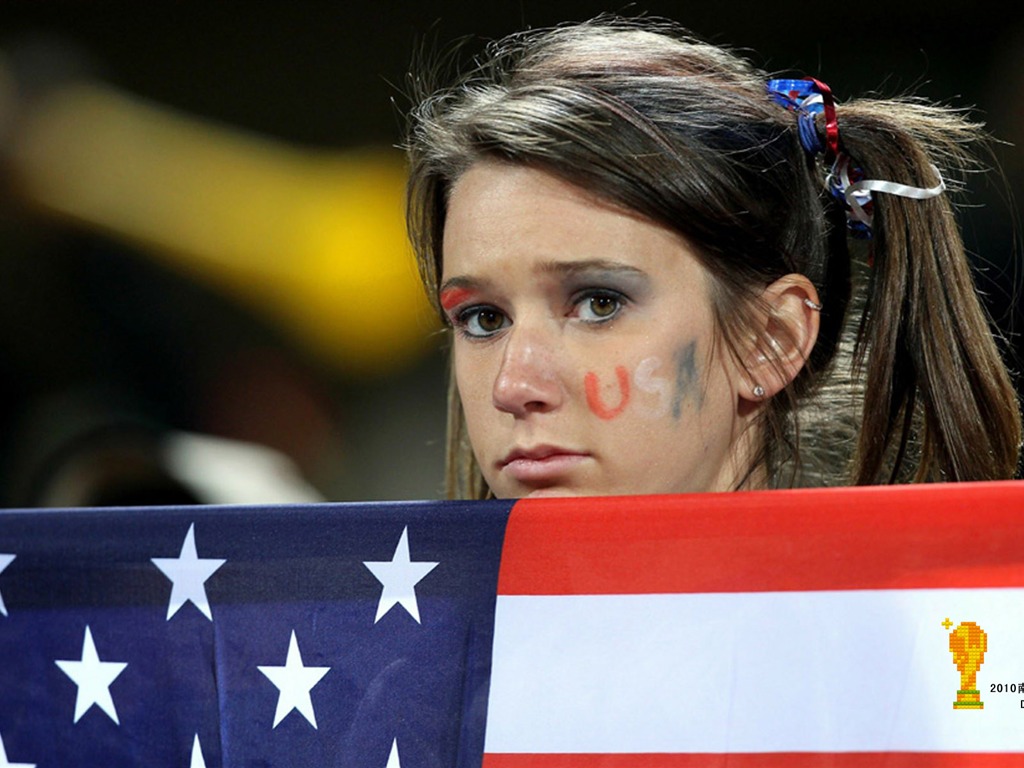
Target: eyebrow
569,268
591,265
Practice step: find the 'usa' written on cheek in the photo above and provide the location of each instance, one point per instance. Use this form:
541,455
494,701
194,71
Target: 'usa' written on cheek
669,391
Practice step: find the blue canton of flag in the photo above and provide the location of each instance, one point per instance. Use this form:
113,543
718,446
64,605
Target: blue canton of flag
307,636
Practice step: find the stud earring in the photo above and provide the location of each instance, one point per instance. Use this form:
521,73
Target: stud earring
758,391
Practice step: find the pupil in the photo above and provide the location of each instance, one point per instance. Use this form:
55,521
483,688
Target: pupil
489,321
602,305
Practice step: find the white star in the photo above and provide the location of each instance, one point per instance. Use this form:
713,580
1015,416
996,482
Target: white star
93,678
3,756
5,560
188,572
294,682
399,577
197,755
393,761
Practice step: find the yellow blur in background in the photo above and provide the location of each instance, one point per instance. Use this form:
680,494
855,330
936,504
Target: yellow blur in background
314,241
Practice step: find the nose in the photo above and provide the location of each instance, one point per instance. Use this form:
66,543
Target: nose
527,381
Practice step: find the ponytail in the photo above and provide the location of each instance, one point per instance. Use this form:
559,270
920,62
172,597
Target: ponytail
931,372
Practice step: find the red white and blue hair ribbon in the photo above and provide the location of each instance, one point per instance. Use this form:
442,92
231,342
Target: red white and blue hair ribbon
810,97
846,181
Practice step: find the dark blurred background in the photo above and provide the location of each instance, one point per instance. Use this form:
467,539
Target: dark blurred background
204,288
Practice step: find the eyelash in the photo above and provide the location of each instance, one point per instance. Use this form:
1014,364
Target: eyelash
463,320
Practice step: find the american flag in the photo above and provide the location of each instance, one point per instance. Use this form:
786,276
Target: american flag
766,628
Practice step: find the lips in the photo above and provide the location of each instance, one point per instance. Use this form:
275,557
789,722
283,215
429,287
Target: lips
542,464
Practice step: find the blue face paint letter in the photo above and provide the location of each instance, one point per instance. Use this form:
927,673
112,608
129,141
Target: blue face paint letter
686,377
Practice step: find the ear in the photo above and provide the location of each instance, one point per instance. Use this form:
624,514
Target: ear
787,330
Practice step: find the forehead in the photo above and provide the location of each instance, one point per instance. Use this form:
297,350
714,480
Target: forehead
498,210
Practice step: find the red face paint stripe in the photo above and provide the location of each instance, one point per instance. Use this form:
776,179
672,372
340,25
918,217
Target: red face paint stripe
452,297
592,387
969,534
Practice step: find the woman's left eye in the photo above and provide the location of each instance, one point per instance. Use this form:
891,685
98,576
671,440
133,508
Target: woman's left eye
599,306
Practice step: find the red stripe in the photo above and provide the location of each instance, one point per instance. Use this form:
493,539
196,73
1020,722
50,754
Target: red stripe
931,536
831,123
761,760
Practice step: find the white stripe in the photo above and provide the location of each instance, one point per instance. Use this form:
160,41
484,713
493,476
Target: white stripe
752,672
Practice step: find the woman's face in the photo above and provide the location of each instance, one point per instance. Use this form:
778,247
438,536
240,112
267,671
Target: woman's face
584,351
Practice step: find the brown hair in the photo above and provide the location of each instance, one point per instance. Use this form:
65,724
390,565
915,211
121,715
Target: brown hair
685,134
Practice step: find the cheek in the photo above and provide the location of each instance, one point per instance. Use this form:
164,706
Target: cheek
473,386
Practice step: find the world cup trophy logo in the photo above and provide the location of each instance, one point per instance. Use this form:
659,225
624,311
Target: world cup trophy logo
968,643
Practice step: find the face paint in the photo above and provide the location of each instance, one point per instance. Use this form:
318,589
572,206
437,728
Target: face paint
686,377
452,297
593,389
646,381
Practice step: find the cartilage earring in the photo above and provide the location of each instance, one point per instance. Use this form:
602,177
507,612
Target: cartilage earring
813,305
758,391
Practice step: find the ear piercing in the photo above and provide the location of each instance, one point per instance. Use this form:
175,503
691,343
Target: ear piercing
758,391
813,305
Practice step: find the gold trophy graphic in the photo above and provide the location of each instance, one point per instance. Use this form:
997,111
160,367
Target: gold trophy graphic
968,643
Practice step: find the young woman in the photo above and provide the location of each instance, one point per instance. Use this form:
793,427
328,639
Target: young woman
648,253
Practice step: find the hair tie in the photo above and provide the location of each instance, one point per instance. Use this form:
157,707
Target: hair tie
846,181
809,97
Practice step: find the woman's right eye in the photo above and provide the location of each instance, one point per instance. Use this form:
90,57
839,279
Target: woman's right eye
481,322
